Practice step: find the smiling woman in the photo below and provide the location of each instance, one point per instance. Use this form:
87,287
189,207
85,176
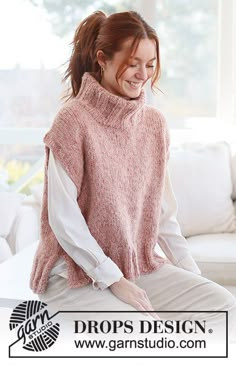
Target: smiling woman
121,61
106,178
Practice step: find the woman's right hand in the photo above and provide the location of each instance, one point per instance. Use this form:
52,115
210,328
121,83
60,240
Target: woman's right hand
130,293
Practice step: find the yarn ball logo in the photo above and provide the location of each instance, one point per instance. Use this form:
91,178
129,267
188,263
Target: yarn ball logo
34,325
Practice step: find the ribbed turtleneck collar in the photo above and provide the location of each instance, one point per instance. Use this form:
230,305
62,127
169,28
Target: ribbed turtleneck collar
107,108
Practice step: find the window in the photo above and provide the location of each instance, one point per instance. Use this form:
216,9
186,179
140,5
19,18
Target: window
35,37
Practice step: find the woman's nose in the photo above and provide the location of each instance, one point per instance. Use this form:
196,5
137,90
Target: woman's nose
142,73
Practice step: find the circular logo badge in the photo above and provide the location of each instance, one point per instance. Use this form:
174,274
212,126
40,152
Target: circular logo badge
34,326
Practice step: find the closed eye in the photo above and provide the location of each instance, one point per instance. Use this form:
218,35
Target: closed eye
149,66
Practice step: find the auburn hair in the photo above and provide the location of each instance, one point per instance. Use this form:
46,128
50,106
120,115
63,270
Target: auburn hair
107,33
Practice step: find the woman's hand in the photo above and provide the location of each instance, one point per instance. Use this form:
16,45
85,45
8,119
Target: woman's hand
130,293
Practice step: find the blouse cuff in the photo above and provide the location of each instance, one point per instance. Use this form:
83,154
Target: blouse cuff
105,274
189,264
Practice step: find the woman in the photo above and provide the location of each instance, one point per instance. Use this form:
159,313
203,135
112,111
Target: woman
107,194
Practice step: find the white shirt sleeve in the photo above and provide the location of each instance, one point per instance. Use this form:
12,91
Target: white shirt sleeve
71,230
170,239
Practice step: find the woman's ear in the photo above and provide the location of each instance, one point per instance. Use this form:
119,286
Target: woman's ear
101,58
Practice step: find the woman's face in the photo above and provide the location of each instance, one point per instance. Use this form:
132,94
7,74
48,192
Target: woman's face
140,68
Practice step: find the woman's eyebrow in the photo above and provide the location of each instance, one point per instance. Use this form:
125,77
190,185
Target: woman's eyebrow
139,59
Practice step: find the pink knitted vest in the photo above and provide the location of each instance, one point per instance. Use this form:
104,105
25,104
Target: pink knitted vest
115,151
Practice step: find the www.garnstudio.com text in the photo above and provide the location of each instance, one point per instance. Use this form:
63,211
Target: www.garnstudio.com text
162,343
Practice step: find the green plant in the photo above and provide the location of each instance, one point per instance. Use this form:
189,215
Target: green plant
16,169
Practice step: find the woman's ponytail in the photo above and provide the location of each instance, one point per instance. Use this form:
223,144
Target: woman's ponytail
83,58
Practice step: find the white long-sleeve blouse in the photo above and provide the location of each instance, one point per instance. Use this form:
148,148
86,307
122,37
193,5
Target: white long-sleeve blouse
72,232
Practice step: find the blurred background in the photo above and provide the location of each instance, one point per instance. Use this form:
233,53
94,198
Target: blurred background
198,72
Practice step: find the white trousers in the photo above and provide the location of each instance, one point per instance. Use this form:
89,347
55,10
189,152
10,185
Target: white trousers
169,289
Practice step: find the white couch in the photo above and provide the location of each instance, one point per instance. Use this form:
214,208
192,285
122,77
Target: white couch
204,181
19,233
19,223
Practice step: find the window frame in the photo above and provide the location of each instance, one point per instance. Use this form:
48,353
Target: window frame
226,70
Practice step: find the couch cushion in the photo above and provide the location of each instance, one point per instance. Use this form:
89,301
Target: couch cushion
5,251
17,270
9,206
202,182
25,229
233,165
215,255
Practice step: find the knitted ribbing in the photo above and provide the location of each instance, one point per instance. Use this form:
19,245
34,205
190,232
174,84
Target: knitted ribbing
115,151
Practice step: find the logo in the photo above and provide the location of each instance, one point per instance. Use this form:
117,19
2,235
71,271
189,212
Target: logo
34,326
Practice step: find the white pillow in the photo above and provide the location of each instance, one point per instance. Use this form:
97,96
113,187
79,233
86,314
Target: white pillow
202,183
5,251
9,205
25,229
